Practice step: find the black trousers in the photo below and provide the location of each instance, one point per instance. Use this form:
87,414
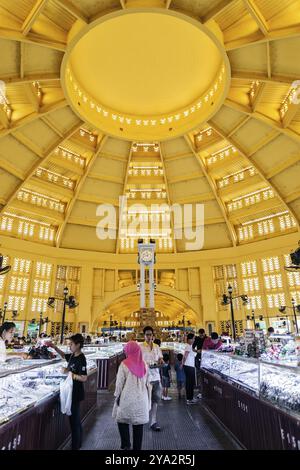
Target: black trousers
125,436
75,423
189,381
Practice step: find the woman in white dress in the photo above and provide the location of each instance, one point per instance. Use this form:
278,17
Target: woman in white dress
133,396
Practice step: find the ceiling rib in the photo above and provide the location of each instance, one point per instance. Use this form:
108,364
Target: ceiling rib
21,79
44,110
272,79
89,167
221,8
71,8
172,220
276,35
258,169
211,183
33,15
40,162
123,193
257,16
263,118
31,39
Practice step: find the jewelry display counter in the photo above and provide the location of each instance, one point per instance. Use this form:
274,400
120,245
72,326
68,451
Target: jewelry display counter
30,416
259,402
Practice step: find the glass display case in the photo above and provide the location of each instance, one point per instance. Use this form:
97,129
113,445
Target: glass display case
22,389
275,382
104,352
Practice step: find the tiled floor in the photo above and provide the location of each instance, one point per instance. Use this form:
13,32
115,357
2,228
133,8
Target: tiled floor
182,427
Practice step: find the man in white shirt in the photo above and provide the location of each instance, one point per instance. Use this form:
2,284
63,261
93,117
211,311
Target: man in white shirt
189,369
153,357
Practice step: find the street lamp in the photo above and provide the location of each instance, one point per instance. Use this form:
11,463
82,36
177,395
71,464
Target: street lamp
228,300
69,300
3,269
42,322
252,317
295,308
3,312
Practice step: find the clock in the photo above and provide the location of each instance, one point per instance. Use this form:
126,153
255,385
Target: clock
146,256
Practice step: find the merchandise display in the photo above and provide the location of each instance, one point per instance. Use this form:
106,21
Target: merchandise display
21,389
277,383
280,385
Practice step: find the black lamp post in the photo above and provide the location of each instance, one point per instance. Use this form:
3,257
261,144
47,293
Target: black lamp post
42,322
69,300
228,299
295,308
3,312
3,269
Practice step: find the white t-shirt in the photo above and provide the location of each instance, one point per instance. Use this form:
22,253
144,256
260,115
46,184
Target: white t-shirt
152,356
2,350
190,360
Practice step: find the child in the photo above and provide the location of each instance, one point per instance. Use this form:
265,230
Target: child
180,375
166,377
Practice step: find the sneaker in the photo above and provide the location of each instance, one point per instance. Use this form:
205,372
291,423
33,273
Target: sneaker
199,395
191,402
155,427
163,397
168,398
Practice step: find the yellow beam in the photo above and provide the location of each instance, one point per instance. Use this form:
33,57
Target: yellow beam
221,8
4,119
20,80
257,16
31,39
263,118
44,110
162,159
33,98
88,168
214,189
71,8
257,97
40,162
33,15
22,71
290,114
253,76
20,137
11,169
276,35
284,165
256,166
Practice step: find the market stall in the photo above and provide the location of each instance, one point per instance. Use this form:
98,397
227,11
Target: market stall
30,416
257,400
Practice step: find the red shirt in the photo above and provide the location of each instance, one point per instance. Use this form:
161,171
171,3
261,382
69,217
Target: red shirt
208,344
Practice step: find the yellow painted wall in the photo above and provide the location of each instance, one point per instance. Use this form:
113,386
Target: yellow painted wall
194,283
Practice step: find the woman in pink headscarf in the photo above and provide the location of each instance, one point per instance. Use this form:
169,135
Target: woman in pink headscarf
133,402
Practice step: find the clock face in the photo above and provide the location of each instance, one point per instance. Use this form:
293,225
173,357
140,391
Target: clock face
146,255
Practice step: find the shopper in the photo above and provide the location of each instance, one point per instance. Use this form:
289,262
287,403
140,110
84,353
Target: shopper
180,375
189,369
153,357
197,347
270,331
77,366
133,400
166,377
7,330
212,343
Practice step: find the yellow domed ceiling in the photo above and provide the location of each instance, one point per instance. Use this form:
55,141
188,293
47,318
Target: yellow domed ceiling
142,68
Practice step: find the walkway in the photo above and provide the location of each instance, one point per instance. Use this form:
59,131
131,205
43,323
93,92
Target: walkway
183,427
